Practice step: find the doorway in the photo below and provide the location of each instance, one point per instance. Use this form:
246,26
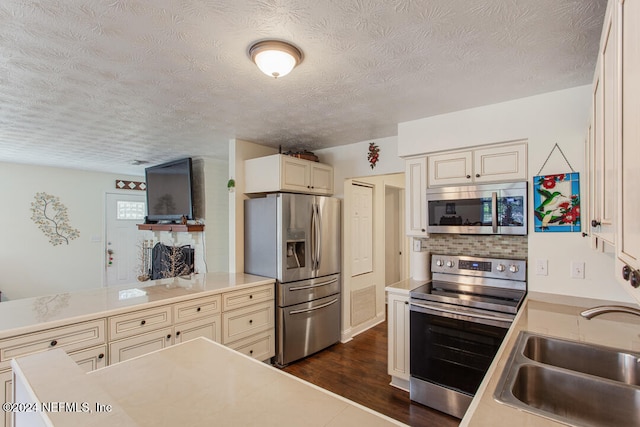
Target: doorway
123,241
394,239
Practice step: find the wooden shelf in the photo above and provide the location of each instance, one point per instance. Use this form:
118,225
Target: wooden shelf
174,228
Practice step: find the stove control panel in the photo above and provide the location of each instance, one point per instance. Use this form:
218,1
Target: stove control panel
483,267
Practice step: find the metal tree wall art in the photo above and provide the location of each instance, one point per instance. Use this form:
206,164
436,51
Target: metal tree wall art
50,215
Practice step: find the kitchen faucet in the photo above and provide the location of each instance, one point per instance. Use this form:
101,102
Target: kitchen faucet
602,309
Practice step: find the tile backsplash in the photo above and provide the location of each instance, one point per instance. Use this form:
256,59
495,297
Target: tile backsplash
499,246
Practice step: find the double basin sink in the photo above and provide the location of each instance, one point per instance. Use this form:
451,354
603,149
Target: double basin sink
572,382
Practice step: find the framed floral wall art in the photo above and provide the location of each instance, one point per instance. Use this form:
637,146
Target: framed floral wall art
556,201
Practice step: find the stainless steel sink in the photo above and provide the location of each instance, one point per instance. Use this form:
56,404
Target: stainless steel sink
605,362
572,382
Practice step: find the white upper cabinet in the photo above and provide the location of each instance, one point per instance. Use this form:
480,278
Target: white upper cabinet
629,144
416,196
451,168
285,173
498,163
604,123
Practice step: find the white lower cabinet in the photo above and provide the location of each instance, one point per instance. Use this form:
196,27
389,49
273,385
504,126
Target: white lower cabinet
208,327
248,321
244,322
7,396
91,358
398,337
261,346
138,345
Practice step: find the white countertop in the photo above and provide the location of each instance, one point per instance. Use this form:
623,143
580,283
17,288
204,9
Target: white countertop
33,314
197,383
405,286
552,315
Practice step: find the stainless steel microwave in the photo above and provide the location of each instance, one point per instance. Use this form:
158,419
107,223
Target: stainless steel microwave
478,209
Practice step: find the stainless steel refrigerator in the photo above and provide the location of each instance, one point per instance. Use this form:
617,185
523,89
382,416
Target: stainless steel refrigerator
295,238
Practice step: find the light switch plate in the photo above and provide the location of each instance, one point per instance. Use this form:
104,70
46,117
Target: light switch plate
417,245
577,269
542,267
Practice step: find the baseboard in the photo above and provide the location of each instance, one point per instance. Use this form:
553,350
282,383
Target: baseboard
368,324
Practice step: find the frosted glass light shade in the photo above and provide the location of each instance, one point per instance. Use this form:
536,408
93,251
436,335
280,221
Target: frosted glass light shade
275,58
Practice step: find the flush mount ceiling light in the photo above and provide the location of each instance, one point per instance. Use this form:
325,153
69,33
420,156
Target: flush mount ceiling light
275,58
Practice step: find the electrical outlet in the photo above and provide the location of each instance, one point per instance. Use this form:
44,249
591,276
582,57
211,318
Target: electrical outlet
577,269
417,245
542,267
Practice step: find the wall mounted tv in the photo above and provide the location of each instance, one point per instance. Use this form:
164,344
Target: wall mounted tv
170,191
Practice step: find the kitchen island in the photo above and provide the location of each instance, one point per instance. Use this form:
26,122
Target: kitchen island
103,326
196,383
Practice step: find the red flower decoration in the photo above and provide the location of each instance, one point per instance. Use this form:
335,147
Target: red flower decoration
548,183
373,155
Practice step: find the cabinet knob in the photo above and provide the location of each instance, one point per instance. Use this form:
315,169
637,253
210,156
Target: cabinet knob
54,343
168,336
308,186
250,296
595,223
584,234
143,322
178,333
423,230
101,356
250,351
406,302
198,309
250,321
477,175
468,176
634,279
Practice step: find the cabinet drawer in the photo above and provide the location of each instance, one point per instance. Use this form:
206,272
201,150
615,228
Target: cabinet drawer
139,322
208,327
196,309
245,297
261,346
70,338
241,323
139,345
91,359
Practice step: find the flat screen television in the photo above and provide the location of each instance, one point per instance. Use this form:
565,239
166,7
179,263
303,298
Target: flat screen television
169,191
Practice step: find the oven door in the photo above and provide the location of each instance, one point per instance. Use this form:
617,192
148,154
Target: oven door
450,355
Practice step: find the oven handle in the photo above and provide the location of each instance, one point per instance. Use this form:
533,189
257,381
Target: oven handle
328,282
471,316
309,310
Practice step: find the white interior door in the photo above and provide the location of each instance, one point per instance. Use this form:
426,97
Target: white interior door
362,230
123,240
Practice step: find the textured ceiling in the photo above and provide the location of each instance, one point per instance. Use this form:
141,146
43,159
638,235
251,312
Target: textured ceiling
94,84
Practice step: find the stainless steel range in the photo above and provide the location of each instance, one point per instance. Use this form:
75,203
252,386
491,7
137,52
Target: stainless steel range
458,322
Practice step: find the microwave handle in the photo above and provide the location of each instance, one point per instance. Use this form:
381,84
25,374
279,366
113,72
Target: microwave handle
494,211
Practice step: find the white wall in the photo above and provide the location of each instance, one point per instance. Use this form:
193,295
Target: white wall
29,264
239,151
350,161
543,120
216,229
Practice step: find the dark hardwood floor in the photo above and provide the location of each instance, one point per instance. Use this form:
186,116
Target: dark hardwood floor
357,370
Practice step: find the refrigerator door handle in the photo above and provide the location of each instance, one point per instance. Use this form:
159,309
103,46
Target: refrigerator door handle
318,236
313,237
